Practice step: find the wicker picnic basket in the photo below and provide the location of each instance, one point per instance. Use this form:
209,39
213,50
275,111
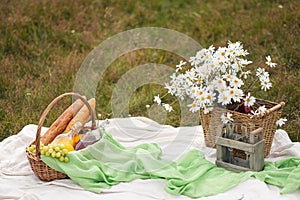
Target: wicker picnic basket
211,121
40,169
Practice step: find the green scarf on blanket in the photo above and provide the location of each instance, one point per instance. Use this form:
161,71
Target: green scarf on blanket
107,163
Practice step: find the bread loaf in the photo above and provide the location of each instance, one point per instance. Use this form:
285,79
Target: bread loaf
82,116
61,122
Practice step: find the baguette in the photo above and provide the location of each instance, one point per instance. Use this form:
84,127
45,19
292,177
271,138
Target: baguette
61,122
82,116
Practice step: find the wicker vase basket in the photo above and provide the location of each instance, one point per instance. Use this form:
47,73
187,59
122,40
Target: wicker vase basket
40,169
211,121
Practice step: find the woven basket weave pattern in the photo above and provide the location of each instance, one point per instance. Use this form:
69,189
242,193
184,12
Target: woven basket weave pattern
212,120
40,169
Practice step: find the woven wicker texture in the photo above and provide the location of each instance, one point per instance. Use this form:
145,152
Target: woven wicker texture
212,121
40,169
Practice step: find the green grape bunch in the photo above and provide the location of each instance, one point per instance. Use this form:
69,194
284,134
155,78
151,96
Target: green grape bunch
57,151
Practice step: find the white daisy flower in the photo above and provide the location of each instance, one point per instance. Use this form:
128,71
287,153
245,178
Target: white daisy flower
173,77
216,75
208,108
262,109
170,89
242,52
201,91
228,77
260,71
237,95
210,97
179,66
200,55
226,118
222,51
249,100
244,62
235,45
236,82
168,107
280,122
269,62
219,84
194,107
224,98
194,61
231,92
259,112
245,74
157,99
192,92
265,83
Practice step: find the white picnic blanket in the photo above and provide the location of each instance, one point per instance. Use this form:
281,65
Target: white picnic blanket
17,180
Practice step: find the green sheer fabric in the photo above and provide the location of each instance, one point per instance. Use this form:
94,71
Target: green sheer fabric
107,162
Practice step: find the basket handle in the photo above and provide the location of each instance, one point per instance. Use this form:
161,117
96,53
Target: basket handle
46,111
274,108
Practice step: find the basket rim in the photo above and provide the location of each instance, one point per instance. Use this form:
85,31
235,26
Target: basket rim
47,173
275,107
50,106
32,155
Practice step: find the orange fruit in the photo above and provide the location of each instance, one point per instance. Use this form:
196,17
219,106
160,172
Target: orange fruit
76,139
69,147
66,141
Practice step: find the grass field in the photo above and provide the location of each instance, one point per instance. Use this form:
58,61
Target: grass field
43,43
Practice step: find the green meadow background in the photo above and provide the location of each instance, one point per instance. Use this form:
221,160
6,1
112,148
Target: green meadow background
44,42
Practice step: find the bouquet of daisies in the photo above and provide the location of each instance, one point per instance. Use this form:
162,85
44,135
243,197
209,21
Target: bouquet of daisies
217,75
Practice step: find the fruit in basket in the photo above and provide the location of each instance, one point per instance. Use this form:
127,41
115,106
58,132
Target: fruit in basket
69,147
32,148
64,151
53,154
76,138
61,122
66,139
57,151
